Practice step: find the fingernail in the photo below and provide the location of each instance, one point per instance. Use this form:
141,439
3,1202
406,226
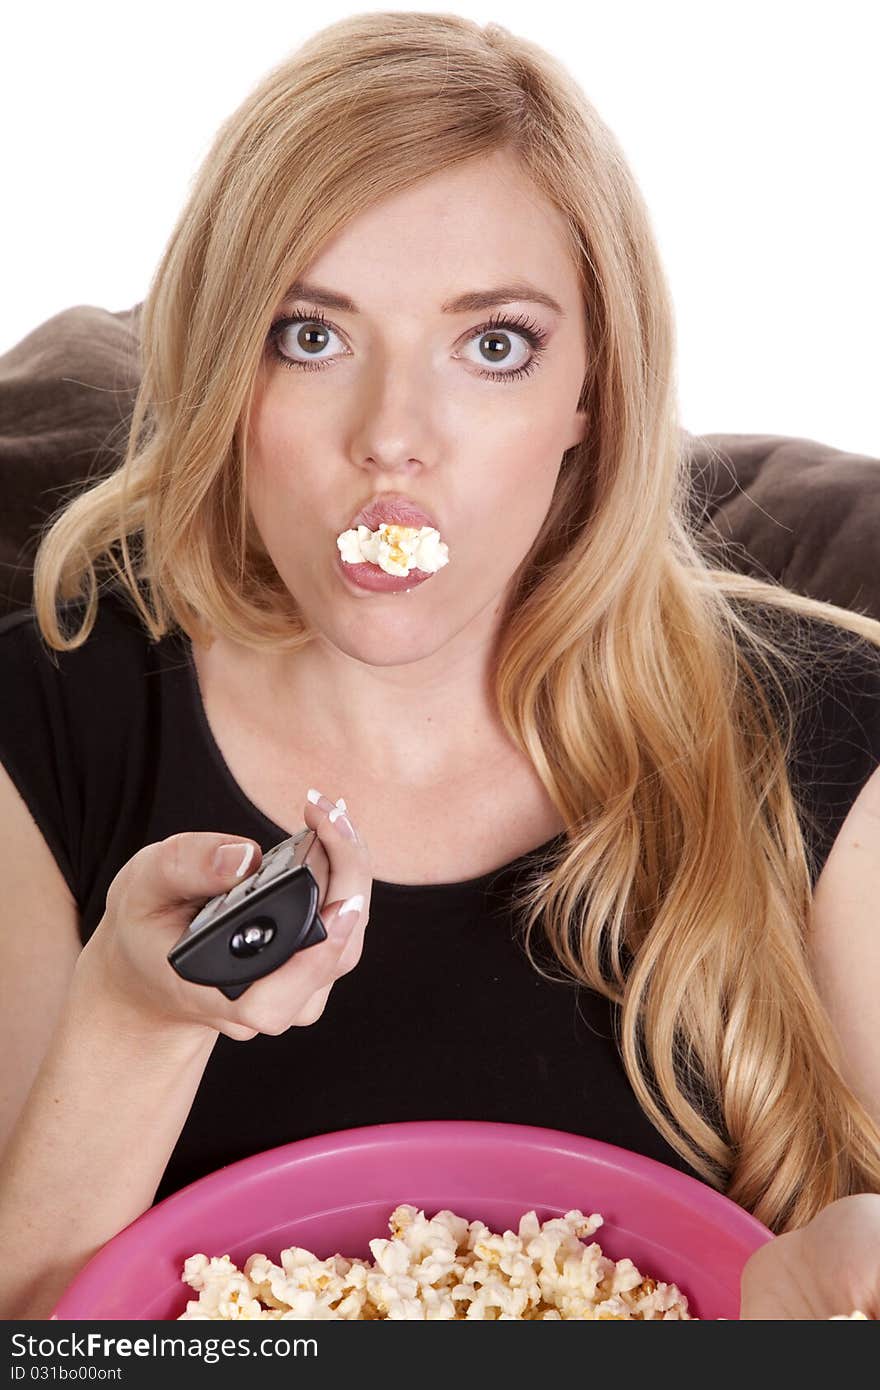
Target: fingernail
342,823
341,804
233,859
319,799
347,915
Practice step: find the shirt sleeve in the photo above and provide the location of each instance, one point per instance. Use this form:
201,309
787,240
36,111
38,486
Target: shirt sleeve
837,737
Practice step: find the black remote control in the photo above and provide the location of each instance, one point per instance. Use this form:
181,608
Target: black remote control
246,933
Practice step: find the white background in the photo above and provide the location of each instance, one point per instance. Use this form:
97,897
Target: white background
752,130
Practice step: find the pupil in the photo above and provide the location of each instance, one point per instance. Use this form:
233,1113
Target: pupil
305,332
499,344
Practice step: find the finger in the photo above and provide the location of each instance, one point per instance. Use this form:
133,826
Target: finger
353,947
349,883
285,993
348,859
313,1008
338,815
172,877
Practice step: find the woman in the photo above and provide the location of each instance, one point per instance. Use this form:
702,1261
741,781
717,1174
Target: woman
465,270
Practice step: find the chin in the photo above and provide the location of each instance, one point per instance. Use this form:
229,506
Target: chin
390,643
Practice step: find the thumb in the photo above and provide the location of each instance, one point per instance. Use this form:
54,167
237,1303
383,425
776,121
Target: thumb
235,859
185,870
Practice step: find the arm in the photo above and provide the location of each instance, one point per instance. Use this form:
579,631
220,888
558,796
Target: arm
845,943
131,1044
831,1266
80,1166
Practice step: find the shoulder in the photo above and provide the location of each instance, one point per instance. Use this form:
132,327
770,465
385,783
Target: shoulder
84,702
118,638
78,729
830,675
833,690
838,702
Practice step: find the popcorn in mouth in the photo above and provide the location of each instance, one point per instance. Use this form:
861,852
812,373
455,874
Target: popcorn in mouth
395,549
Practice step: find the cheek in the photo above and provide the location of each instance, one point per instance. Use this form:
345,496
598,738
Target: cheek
509,509
520,482
274,442
273,505
277,480
257,491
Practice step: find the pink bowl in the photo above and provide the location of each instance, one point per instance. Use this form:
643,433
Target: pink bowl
335,1192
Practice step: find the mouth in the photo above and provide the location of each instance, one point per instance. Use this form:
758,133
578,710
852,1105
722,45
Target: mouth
396,510
367,576
391,544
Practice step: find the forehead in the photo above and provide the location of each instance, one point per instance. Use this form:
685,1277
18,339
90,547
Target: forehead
480,223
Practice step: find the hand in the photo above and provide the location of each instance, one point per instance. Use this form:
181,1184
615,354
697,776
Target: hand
160,889
825,1269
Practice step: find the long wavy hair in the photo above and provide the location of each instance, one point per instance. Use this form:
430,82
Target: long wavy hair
652,688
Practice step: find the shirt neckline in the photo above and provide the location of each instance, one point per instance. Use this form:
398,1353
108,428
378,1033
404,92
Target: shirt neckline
385,886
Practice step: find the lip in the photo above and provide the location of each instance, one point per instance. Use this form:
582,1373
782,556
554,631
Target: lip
393,508
371,579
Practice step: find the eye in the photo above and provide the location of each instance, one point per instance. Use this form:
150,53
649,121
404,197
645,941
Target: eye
492,337
311,339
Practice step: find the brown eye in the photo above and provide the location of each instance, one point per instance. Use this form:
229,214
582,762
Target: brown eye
311,337
494,338
497,347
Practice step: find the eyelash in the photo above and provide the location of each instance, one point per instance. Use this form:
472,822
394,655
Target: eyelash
534,335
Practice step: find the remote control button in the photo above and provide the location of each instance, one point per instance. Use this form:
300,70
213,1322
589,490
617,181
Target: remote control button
239,892
206,913
252,939
282,858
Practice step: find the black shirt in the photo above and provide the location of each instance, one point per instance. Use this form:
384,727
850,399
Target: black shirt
444,1017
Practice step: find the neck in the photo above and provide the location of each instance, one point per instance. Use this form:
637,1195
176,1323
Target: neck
420,723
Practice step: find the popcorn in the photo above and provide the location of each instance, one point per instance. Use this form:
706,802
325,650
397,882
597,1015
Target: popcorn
440,1268
444,1268
395,549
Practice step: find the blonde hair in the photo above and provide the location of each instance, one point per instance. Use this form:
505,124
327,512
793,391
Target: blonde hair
626,665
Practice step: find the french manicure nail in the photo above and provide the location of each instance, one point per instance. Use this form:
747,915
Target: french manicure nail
347,915
318,799
342,823
233,859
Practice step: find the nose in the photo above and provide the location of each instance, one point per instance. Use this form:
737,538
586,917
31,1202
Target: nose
394,431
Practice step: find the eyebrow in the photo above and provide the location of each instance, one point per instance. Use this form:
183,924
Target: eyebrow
468,302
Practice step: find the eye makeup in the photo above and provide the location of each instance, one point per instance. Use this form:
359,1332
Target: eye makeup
518,324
